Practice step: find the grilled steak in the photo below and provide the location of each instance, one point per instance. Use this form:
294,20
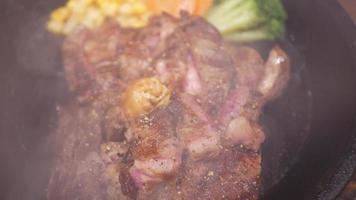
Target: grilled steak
170,111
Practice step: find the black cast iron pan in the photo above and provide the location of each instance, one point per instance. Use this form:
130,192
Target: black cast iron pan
310,152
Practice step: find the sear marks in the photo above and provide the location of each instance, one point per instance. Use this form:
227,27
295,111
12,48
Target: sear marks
195,132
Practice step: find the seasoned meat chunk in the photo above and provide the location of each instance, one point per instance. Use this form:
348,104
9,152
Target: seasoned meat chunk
168,112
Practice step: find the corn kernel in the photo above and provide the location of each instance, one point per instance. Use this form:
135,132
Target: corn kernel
125,9
93,18
88,2
138,8
108,8
55,26
60,14
70,25
76,6
92,13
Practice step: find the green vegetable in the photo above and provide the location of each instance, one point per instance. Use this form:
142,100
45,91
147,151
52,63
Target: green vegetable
249,20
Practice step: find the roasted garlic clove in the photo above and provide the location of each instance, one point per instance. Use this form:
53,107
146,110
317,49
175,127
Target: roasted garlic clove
145,95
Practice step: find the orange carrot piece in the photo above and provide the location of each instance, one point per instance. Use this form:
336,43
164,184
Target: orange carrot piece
203,6
173,7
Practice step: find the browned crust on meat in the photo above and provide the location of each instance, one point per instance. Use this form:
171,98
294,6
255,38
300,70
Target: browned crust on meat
179,151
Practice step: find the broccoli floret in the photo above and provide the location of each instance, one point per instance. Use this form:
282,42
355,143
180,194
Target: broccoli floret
274,9
249,20
272,30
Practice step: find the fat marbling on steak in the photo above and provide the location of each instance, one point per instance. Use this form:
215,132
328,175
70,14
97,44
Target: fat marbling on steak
193,134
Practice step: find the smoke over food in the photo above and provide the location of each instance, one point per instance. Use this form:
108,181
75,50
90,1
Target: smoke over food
169,111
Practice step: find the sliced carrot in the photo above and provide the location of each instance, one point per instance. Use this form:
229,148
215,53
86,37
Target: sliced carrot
150,5
173,7
202,6
159,6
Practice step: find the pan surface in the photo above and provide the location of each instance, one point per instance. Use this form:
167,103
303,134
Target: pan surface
311,142
326,38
